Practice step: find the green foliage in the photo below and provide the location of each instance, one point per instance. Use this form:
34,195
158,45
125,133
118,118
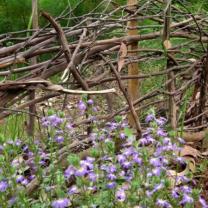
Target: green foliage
15,15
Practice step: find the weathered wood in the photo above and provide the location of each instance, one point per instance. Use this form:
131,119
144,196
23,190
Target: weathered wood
172,108
133,69
32,108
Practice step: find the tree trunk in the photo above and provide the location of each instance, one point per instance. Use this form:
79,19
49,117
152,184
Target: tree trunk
32,108
167,45
133,69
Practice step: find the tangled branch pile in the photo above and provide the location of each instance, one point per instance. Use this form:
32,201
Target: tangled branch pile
93,51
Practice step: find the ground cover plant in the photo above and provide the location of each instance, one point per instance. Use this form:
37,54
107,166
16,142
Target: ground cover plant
118,171
103,104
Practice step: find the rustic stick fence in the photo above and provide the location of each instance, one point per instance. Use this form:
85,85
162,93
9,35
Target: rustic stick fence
98,42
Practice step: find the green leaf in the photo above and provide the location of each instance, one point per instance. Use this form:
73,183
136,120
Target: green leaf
73,159
118,119
95,152
128,132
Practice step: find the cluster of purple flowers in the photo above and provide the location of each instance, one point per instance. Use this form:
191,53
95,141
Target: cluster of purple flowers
82,106
53,121
139,167
148,160
3,185
61,203
86,169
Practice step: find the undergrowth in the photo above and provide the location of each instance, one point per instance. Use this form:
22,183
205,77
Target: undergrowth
117,171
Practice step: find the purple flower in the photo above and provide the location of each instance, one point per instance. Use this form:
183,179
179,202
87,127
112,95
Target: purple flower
70,171
95,109
3,186
92,188
137,159
122,173
60,203
19,179
18,142
157,171
25,182
180,160
161,121
186,189
31,177
81,172
150,139
203,202
122,135
86,164
159,151
25,148
186,200
149,118
128,177
1,149
90,102
126,164
129,151
73,190
120,195
55,120
111,176
59,139
182,179
181,141
161,133
12,201
121,158
112,125
149,175
92,177
111,185
156,162
158,187
143,141
45,122
69,126
81,105
163,203
90,159
166,141
93,136
124,124
148,193
111,169
101,137
175,193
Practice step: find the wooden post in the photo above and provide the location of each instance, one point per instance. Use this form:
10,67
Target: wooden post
167,45
32,109
133,68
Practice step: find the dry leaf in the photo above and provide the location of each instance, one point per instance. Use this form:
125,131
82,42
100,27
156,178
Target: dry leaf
167,44
205,153
192,60
189,151
122,55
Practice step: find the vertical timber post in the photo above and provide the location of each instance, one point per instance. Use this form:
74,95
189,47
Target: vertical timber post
133,69
172,110
32,109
